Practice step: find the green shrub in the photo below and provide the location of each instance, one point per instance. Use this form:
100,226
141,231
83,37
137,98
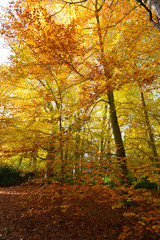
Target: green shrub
132,180
108,181
11,176
145,183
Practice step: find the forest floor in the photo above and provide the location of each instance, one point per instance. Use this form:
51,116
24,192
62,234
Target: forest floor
52,212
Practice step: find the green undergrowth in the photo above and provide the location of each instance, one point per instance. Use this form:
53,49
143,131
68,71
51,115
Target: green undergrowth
12,176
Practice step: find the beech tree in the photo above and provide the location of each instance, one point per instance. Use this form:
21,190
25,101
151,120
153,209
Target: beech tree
80,102
70,57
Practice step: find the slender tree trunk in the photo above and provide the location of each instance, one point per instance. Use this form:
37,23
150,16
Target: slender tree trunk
77,154
120,150
105,145
108,155
34,160
20,160
102,143
155,158
61,145
149,130
49,162
51,144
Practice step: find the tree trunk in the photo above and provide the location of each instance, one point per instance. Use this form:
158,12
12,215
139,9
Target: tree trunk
77,154
102,143
149,129
120,150
61,144
49,162
105,145
155,158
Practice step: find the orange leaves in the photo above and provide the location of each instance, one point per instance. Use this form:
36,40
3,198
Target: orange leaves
130,214
45,39
78,212
143,217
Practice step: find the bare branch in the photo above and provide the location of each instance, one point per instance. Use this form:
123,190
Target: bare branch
72,2
57,12
112,26
157,25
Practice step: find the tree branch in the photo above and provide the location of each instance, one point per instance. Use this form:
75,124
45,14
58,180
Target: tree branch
157,25
71,2
57,12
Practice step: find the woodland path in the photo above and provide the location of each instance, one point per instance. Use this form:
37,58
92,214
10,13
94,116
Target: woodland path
41,213
45,213
24,214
